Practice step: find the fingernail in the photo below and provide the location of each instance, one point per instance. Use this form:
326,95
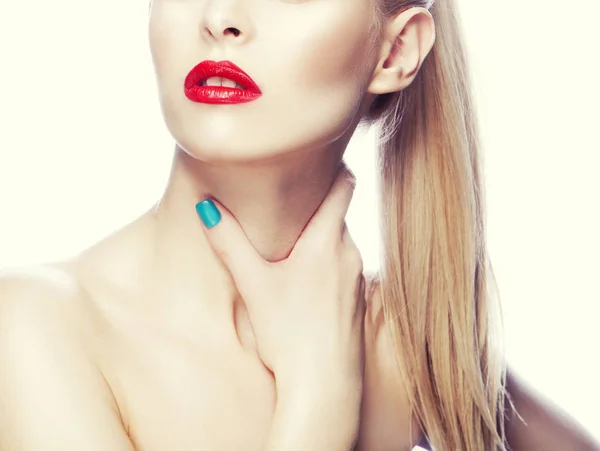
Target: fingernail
208,212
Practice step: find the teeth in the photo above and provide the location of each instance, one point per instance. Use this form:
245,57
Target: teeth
220,81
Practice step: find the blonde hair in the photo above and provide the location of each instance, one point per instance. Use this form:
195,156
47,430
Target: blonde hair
438,292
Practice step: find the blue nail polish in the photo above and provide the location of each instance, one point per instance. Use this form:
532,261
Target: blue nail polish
208,212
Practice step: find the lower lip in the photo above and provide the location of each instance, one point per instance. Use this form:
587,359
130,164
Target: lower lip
220,94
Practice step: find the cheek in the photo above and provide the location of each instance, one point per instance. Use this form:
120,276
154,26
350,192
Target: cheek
328,70
336,46
327,64
338,58
167,30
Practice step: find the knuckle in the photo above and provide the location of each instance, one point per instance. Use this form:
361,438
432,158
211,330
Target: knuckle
329,239
352,252
315,248
346,172
351,180
354,259
346,237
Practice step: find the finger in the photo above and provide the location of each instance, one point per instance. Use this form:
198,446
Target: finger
352,253
329,218
230,243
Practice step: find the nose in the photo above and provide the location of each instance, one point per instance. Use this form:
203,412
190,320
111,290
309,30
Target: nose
225,21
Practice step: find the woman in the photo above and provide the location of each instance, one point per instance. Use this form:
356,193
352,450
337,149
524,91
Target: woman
164,335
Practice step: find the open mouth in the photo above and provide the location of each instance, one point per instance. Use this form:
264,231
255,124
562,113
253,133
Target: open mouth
221,82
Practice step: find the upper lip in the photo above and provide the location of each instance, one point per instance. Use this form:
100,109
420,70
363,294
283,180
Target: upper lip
226,69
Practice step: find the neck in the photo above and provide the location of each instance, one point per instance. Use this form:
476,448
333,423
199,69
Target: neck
272,200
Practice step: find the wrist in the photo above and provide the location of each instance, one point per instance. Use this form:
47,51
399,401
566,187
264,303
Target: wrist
309,417
320,392
332,406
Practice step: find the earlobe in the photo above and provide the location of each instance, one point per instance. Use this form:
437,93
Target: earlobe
409,38
386,81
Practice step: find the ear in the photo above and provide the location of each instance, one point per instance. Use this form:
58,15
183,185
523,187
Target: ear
407,40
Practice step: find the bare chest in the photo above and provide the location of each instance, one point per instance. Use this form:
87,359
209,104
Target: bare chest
212,393
176,395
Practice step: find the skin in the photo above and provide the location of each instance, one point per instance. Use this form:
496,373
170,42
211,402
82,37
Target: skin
132,344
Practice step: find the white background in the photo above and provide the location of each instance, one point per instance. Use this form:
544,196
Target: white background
79,121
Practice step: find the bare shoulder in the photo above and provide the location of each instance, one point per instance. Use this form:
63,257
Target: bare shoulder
53,393
386,413
53,286
44,302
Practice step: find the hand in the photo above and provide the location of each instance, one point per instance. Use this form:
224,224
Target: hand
306,311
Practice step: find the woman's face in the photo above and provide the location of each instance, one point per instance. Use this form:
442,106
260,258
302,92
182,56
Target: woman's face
310,59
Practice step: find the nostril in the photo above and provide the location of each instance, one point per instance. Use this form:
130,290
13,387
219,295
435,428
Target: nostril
235,31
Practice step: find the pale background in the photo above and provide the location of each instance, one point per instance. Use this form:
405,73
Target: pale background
83,150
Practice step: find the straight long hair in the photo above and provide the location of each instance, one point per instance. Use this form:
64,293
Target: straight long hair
438,292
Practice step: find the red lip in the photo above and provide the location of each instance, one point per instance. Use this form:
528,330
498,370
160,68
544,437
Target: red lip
219,94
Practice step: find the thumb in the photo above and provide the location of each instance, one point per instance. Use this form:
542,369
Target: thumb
230,243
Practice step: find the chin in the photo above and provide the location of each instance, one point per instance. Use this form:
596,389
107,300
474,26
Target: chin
216,148
221,136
